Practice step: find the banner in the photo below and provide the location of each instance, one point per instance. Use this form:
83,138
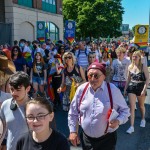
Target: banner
41,31
125,28
141,36
70,31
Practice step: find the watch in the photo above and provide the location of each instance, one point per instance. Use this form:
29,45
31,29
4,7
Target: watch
141,29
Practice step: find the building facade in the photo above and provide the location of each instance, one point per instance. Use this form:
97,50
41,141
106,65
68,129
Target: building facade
23,15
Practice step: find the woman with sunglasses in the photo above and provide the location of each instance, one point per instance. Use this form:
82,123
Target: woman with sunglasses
71,72
39,115
136,85
18,59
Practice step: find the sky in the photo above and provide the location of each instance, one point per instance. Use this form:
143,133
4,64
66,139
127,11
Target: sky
136,12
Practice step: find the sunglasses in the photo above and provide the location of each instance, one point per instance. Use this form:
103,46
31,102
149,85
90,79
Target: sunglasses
92,53
135,56
69,57
15,50
96,76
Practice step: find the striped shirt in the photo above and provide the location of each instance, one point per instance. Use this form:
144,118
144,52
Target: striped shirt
82,58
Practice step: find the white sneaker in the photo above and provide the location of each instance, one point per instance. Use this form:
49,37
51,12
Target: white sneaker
143,123
130,130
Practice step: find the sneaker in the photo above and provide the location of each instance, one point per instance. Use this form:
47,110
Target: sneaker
143,123
130,130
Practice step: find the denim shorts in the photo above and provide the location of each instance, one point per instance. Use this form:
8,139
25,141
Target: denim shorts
38,80
135,88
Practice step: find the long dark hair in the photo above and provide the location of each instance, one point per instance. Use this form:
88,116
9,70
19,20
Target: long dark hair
19,52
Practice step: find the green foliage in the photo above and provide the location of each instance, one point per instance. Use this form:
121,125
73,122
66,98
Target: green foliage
94,18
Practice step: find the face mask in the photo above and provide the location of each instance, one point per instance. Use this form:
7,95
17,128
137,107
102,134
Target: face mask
22,44
34,46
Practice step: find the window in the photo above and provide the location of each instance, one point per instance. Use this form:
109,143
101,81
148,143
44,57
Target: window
49,6
53,31
27,3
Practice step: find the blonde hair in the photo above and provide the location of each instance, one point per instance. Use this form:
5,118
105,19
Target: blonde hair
138,53
3,78
120,49
73,57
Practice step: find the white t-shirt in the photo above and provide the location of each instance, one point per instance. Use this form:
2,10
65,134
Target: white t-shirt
107,63
4,96
120,69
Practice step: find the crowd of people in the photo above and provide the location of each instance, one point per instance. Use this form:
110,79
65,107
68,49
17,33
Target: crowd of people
90,80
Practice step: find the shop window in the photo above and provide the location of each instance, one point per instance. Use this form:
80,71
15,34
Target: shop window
53,31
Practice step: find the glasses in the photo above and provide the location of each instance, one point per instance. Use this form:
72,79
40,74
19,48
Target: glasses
69,57
15,50
96,76
38,118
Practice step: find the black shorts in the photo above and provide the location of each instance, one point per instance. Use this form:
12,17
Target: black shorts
135,88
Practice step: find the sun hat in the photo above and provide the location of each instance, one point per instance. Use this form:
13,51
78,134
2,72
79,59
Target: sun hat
6,65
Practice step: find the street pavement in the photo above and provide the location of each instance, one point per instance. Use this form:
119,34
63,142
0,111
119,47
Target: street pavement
139,140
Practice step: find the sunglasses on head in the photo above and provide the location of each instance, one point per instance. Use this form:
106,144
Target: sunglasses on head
69,57
96,76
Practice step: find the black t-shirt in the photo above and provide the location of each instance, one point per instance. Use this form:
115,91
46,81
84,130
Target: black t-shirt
56,141
39,69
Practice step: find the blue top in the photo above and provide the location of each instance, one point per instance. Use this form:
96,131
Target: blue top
19,63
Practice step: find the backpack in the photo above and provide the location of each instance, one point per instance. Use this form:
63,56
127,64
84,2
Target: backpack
84,51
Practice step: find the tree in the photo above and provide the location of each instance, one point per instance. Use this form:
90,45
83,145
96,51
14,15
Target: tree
94,18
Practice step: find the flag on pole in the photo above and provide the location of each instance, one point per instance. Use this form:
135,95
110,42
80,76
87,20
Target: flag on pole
46,32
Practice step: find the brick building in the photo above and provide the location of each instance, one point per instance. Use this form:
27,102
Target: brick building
23,15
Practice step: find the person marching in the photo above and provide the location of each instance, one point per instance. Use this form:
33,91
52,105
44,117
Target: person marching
91,108
136,85
12,110
38,74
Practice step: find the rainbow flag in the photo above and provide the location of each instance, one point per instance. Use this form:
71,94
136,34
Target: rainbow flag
41,39
46,32
28,58
142,45
70,39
